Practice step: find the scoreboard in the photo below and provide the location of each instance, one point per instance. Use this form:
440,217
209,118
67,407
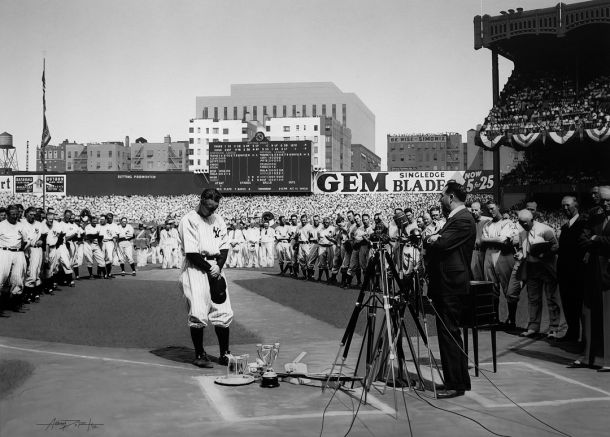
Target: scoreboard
261,166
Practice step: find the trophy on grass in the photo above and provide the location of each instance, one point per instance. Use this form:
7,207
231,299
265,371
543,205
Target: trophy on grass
267,354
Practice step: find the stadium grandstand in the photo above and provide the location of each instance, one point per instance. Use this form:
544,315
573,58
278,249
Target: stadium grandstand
556,103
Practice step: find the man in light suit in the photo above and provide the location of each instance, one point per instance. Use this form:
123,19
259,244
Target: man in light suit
450,255
538,248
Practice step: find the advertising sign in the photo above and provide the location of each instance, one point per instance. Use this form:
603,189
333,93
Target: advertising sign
422,182
6,184
32,184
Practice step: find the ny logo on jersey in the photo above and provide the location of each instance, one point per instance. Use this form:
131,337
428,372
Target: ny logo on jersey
216,232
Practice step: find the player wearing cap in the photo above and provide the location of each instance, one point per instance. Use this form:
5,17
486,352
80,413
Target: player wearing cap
93,250
167,248
266,250
282,236
31,231
56,254
203,235
142,244
13,240
125,235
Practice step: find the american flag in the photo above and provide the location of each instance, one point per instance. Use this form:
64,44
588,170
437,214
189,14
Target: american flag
46,135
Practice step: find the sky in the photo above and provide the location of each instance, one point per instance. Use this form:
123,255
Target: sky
117,68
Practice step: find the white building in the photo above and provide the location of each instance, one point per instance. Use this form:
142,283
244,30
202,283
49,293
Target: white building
204,131
330,140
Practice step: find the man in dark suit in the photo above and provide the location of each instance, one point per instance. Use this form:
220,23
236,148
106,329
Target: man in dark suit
570,266
596,308
450,252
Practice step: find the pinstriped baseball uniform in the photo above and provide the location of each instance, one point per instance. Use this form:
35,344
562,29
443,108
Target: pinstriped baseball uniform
32,234
57,256
207,236
12,259
125,248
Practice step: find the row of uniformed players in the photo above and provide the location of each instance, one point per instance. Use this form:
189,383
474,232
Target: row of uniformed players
344,247
39,250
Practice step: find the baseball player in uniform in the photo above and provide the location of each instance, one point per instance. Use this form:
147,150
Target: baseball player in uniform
57,254
155,249
282,236
142,240
125,235
31,231
253,238
78,256
93,250
167,247
115,228
237,242
266,251
178,256
325,248
294,244
354,259
307,237
203,235
13,241
108,234
339,250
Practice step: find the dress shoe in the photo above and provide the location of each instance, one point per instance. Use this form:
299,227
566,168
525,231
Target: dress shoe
578,365
529,333
447,394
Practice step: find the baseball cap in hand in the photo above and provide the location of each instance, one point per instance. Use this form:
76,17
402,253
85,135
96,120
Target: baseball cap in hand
218,289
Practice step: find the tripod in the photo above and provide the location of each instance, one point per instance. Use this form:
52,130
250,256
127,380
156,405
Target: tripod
383,292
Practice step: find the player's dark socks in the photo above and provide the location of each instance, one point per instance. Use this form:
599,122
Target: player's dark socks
348,281
332,279
320,271
358,279
122,267
90,270
281,269
109,270
197,337
327,274
133,267
76,272
223,343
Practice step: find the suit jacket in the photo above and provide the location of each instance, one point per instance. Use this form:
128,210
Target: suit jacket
598,266
450,256
543,232
570,254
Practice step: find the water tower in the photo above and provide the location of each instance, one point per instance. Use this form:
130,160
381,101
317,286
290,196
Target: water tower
8,157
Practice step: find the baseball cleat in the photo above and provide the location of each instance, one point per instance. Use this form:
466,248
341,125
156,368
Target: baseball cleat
203,362
133,273
123,273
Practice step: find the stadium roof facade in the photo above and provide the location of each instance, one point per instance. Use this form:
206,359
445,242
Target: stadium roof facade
551,36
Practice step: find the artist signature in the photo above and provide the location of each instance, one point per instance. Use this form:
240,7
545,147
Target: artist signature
64,424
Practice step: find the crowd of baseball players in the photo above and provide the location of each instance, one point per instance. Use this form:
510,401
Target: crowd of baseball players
41,249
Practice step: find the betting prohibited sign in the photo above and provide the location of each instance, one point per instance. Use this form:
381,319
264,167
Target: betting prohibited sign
56,185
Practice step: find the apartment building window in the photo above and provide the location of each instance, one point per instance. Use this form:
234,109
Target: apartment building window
205,112
190,162
215,112
191,130
294,110
286,128
283,110
69,166
314,110
267,128
69,154
304,111
234,112
191,140
198,140
199,162
264,112
109,165
225,131
255,112
244,112
334,111
315,127
98,154
315,139
191,151
315,160
150,153
225,113
97,166
297,127
323,109
198,151
344,114
315,149
286,138
110,154
274,111
215,130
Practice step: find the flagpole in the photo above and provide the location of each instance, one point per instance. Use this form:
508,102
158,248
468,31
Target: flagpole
46,137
